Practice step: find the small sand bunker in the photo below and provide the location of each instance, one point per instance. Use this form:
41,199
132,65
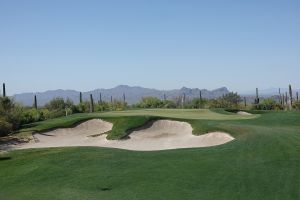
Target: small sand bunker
243,113
162,134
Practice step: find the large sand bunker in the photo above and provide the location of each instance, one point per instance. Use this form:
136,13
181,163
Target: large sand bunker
162,134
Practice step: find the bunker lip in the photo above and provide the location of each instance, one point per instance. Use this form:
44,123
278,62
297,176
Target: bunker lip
243,113
158,135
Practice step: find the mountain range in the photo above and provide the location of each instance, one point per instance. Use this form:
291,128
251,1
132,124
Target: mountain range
132,94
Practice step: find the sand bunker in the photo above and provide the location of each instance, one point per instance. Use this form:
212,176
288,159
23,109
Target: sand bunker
243,113
162,134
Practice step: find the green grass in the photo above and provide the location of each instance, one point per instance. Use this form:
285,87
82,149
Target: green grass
261,164
123,125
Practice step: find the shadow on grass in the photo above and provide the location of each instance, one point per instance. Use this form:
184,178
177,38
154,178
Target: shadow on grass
5,158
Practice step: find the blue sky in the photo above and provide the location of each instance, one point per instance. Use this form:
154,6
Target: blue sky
162,44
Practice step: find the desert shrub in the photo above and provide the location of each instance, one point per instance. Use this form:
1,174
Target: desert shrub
56,104
296,105
57,113
169,104
196,103
118,105
83,107
5,127
29,116
10,114
150,102
268,104
230,100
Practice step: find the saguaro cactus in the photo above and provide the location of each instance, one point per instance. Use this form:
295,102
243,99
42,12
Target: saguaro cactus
183,100
286,98
4,90
124,98
111,99
297,96
291,95
35,102
256,101
80,97
100,98
245,102
91,103
280,97
200,95
257,98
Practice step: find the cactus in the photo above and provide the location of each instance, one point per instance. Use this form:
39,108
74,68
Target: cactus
297,96
183,100
80,97
257,98
4,90
111,99
286,98
200,95
35,102
291,95
280,97
256,101
100,98
124,98
245,102
91,103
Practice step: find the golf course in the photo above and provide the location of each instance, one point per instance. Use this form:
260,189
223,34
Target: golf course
149,100
261,162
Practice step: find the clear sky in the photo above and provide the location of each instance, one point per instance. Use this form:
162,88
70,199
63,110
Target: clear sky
161,44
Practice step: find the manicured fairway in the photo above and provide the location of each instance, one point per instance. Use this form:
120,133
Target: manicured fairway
263,163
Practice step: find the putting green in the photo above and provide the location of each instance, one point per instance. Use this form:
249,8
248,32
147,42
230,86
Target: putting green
178,113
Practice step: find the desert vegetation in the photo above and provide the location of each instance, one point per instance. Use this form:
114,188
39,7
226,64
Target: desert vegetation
14,115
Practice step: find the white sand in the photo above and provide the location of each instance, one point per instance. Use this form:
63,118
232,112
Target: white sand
243,113
162,134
